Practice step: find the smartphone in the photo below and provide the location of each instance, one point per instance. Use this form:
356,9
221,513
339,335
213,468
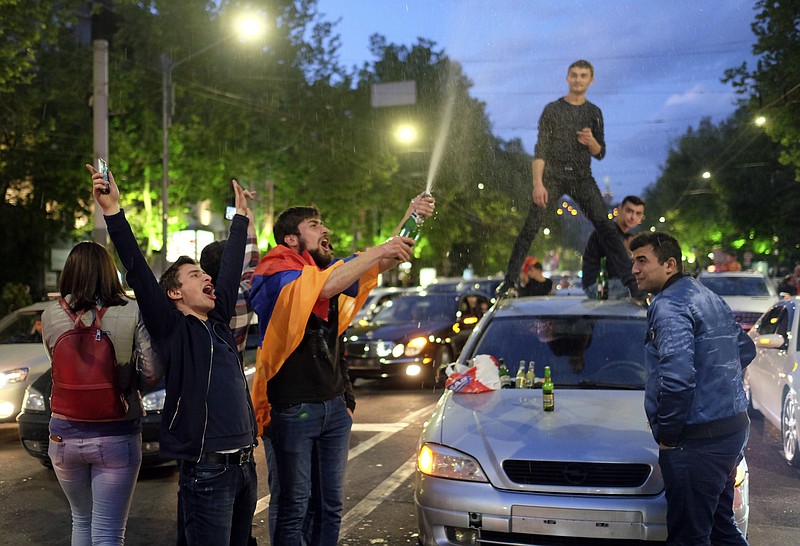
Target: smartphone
230,210
102,167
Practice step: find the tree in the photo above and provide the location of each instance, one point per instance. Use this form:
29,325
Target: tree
773,86
747,202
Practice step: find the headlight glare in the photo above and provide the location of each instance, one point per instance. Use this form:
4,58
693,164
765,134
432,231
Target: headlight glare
415,346
444,462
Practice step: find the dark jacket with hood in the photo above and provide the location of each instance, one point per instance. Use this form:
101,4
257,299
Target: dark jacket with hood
185,343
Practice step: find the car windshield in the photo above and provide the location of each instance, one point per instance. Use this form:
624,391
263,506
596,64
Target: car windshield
417,308
25,328
736,286
582,352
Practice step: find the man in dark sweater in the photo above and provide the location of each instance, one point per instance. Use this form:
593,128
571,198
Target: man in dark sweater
571,133
630,215
208,423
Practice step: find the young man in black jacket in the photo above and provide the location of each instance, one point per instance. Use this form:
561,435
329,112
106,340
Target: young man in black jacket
208,423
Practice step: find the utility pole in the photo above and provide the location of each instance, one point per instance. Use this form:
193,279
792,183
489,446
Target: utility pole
100,125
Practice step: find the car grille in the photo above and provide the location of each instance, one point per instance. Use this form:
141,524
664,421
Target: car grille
576,474
371,349
492,538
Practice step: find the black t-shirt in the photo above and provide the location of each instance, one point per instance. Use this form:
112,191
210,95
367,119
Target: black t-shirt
558,144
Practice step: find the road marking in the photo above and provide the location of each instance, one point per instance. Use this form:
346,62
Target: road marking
375,497
385,431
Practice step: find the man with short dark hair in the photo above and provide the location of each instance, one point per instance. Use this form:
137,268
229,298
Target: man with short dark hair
630,215
207,423
694,394
571,133
305,299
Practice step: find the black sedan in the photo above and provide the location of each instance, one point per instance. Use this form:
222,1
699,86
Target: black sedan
414,335
34,421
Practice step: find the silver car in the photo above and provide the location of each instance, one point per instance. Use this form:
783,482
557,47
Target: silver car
747,293
22,356
772,378
494,468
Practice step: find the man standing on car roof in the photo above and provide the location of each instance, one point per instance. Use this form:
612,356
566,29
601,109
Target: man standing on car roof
694,395
571,133
304,300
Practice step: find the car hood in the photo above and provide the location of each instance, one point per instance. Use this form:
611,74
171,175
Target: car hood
591,426
395,331
24,355
750,304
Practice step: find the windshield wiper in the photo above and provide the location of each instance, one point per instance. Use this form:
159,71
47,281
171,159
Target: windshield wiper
608,385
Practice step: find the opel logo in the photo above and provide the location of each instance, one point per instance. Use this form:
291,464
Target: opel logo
575,473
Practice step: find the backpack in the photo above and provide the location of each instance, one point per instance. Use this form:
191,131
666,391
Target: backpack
85,382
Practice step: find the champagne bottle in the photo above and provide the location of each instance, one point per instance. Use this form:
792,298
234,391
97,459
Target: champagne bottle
412,227
548,396
520,378
602,281
505,376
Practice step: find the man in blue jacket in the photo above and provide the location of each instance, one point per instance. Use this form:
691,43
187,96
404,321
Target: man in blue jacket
694,395
208,423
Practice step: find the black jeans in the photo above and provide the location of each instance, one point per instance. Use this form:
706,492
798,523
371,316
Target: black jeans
586,194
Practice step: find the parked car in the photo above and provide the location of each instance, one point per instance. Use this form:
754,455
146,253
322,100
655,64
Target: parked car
35,417
375,299
413,335
494,468
22,357
747,293
772,378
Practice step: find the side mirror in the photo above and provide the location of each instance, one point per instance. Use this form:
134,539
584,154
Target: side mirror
770,341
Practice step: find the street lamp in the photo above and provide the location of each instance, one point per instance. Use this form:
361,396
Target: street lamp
246,27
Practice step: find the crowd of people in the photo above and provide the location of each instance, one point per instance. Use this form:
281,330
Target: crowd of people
189,327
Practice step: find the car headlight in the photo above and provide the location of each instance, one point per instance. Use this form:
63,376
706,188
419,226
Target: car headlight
443,462
154,401
13,376
33,400
415,346
741,472
398,350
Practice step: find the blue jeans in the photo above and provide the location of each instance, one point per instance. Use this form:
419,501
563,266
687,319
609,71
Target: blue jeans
98,476
217,502
311,442
275,495
698,481
587,195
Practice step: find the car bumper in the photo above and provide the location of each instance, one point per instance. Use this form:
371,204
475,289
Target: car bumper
34,434
456,513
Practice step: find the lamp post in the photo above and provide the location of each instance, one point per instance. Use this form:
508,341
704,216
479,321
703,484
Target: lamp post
246,27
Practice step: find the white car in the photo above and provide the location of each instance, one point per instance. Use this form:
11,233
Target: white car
22,356
494,468
747,293
772,378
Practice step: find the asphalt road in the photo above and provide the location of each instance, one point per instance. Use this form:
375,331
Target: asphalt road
379,505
